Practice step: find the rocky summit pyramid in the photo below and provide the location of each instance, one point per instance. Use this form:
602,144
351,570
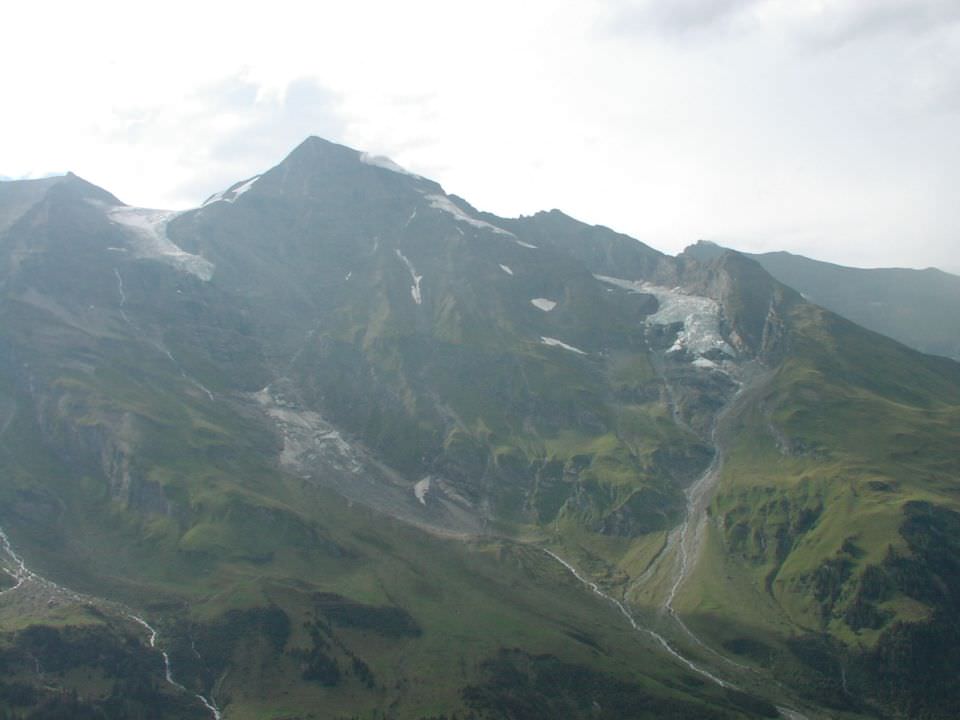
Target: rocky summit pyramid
337,444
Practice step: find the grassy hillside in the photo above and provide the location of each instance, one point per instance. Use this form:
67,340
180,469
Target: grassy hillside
834,521
140,475
326,468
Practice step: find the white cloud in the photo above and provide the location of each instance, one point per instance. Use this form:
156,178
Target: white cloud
820,126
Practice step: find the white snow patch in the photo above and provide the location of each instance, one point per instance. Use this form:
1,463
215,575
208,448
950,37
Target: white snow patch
348,275
421,489
635,286
231,195
385,163
440,202
705,363
243,188
700,316
506,269
543,304
521,243
415,288
149,229
553,342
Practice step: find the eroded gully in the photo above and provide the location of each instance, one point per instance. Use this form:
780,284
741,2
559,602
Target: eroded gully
688,540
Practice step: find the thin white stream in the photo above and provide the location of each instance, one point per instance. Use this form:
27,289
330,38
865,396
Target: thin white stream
19,570
183,373
785,712
168,671
159,346
15,566
633,623
123,296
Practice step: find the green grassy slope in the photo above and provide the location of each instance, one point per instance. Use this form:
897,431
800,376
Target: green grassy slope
295,601
136,470
137,466
835,515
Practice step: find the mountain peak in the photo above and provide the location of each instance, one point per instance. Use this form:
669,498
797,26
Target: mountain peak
73,185
315,152
704,251
19,196
319,165
315,149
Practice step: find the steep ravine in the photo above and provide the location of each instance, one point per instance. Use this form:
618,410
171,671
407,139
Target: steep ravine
688,538
683,549
686,542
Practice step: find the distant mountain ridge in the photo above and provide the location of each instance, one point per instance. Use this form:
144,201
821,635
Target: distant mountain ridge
920,308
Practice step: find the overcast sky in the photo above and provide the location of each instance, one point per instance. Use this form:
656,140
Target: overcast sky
825,127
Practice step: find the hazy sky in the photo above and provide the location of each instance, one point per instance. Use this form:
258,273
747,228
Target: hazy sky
825,127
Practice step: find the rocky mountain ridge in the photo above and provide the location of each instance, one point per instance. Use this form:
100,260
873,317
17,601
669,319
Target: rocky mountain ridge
334,406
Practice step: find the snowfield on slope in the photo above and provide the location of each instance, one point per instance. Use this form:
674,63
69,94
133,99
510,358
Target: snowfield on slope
148,232
385,163
231,194
544,304
553,342
445,204
421,489
415,288
700,316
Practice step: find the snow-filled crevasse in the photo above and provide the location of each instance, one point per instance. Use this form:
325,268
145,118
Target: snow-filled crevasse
553,342
415,288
